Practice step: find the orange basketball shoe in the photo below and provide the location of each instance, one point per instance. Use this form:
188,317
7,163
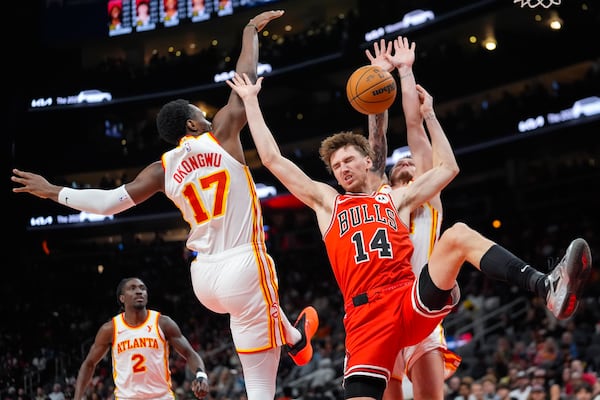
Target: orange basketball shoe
307,323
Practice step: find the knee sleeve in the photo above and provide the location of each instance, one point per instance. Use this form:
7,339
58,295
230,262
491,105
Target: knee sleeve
432,297
364,386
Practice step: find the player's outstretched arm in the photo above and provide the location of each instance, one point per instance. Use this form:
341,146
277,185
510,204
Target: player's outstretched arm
230,119
98,201
317,195
403,59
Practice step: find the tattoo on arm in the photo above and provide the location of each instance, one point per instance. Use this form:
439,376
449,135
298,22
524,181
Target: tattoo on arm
429,116
378,143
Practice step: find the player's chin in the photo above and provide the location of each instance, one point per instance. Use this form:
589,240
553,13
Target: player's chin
350,186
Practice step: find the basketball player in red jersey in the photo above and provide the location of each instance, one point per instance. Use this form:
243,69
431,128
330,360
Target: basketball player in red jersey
139,340
366,234
205,175
429,363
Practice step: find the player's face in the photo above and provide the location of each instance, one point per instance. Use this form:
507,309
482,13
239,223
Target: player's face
350,169
402,172
135,294
204,125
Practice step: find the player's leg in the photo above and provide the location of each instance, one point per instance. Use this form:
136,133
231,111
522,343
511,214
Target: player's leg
561,288
427,376
393,391
260,373
457,244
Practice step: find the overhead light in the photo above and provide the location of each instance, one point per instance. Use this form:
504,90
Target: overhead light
555,22
490,44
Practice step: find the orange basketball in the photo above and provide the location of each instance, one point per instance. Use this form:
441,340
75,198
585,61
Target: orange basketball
371,90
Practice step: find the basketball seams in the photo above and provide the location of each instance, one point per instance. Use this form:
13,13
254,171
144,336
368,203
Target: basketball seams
384,83
368,100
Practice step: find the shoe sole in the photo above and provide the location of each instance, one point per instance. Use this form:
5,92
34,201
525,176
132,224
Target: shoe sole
577,268
303,356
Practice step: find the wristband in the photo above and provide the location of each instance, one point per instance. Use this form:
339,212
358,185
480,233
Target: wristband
201,374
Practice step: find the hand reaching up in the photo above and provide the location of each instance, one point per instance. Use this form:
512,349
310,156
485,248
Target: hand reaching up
380,59
262,19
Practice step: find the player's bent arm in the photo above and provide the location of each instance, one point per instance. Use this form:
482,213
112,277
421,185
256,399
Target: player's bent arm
194,362
98,350
180,343
424,187
442,152
432,182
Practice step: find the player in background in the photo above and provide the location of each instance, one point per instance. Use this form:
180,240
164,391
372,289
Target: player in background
429,363
205,175
366,237
140,340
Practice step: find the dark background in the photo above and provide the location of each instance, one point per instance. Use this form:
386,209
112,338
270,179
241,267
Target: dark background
542,185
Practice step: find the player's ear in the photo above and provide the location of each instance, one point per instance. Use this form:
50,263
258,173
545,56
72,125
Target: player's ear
191,125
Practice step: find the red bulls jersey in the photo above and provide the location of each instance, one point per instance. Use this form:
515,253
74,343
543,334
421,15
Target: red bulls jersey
367,244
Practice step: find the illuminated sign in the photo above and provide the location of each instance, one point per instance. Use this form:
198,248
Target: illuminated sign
261,70
413,18
586,107
68,219
84,97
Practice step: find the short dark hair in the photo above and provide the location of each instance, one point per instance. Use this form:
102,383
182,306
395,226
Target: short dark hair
120,288
171,120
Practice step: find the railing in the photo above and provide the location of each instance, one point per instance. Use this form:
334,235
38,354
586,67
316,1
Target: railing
485,323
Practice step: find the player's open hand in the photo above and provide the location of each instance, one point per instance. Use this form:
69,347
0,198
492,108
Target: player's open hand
404,53
33,183
379,59
262,19
244,87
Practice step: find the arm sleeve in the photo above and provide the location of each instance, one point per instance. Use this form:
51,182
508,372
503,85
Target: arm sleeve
97,201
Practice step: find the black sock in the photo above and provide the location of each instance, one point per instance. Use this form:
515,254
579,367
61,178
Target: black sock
498,263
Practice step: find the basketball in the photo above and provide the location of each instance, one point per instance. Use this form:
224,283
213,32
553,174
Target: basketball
371,90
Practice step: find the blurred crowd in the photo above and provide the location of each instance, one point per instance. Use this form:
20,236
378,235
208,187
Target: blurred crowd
62,301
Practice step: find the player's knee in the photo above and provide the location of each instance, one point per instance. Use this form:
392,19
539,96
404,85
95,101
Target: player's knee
432,297
364,386
457,234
